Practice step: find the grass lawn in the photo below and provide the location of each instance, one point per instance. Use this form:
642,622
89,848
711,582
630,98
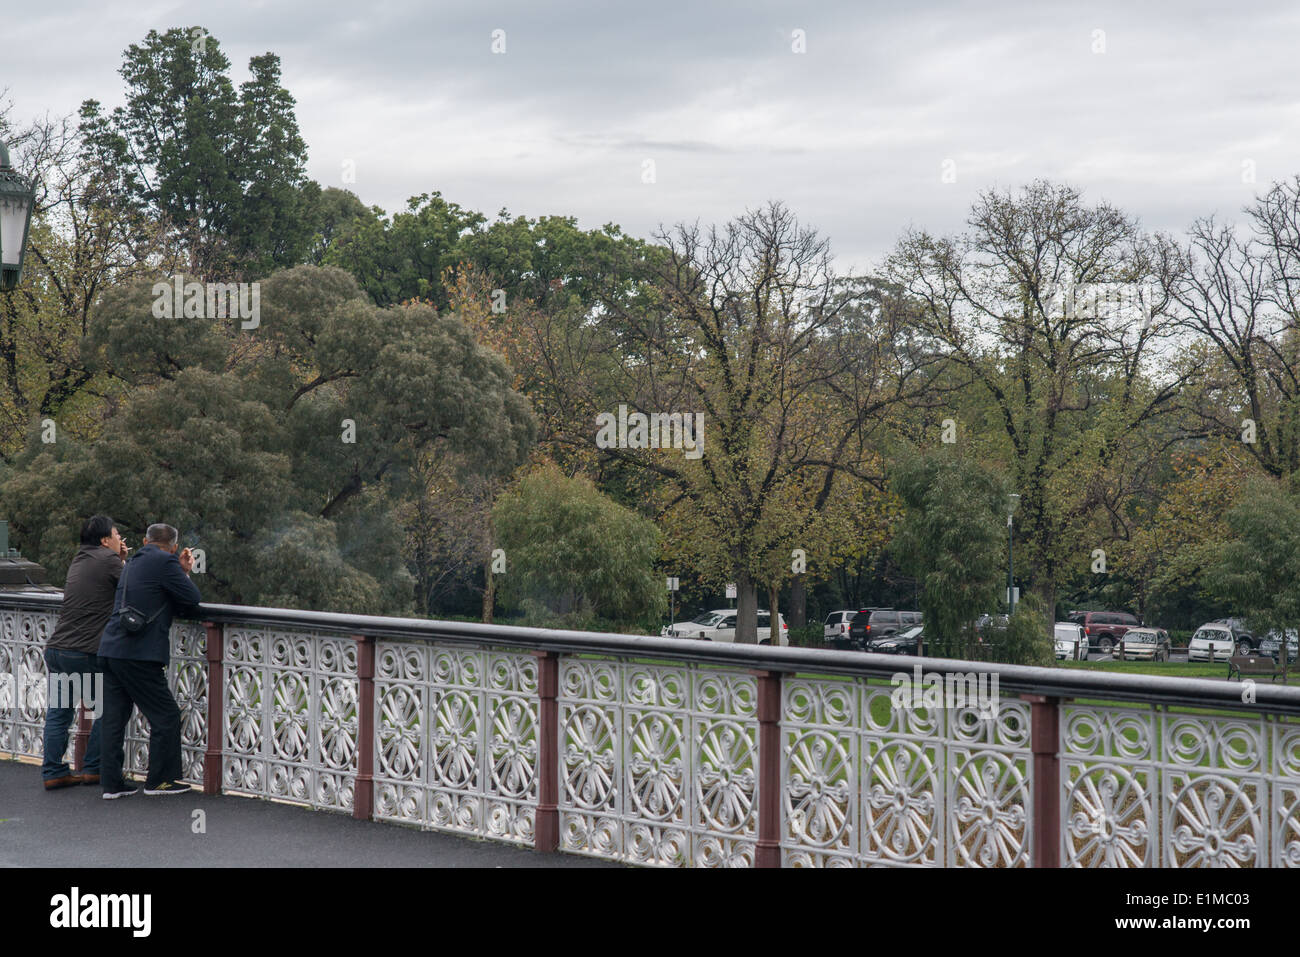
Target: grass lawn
1173,669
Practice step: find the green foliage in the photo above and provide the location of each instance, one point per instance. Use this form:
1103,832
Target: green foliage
1029,637
950,540
808,636
239,440
1258,570
404,257
573,554
224,169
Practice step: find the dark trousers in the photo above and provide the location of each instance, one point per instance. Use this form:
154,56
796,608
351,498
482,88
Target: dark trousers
144,684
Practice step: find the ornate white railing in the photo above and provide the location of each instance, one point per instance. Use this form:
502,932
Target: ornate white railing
1161,788
681,753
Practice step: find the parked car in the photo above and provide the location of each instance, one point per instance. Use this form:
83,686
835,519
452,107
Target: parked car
900,643
870,624
720,625
1216,633
1271,645
1144,643
1104,628
1071,642
1245,640
837,624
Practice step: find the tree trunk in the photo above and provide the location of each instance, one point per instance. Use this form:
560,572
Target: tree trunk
489,582
774,631
746,609
798,603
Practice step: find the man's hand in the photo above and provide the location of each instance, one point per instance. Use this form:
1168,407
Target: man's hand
186,560
123,551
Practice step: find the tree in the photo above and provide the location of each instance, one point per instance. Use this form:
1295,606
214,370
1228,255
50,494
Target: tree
1258,570
790,369
1068,375
224,170
1240,294
407,256
1028,638
950,539
307,430
574,554
76,251
1174,536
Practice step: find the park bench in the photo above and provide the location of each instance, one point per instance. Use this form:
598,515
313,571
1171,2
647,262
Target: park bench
1252,665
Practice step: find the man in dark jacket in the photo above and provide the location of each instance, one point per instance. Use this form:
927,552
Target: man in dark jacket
71,655
155,582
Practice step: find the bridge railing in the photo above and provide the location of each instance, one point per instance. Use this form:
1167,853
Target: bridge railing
674,752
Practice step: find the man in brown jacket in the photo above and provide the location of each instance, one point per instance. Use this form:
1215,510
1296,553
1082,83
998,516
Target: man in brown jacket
71,655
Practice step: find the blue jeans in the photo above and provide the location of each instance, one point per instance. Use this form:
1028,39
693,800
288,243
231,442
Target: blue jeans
61,709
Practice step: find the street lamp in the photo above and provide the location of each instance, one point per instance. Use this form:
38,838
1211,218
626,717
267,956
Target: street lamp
17,196
1013,500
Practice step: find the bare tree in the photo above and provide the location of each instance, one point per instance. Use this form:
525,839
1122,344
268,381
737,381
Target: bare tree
1241,294
1054,312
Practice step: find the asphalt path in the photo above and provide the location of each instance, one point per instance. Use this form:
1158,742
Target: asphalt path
76,827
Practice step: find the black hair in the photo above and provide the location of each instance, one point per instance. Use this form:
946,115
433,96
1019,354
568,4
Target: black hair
95,528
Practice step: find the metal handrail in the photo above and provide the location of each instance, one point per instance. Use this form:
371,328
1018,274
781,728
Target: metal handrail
1021,679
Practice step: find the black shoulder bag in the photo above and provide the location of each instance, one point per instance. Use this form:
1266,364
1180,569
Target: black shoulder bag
133,620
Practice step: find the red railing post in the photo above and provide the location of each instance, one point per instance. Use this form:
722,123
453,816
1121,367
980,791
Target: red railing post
215,649
768,851
82,737
363,793
546,827
1045,744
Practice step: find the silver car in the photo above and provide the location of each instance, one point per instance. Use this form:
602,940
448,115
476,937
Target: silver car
1271,645
1146,644
837,624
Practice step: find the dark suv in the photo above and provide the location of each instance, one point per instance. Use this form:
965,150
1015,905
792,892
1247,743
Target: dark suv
1104,628
872,624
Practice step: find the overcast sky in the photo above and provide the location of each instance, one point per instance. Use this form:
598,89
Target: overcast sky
853,134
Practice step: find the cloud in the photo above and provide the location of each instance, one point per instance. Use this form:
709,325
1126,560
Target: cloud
852,134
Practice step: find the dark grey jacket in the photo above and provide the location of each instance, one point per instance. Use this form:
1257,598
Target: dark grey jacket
155,585
87,599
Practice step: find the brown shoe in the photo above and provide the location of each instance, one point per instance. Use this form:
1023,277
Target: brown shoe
90,779
66,781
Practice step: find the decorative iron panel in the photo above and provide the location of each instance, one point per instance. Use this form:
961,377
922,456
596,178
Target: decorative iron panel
868,783
23,681
22,658
658,764
1149,787
290,713
457,745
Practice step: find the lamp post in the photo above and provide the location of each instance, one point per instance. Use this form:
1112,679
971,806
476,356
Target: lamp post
1013,500
17,196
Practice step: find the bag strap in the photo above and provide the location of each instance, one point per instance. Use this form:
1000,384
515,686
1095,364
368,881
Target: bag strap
123,606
